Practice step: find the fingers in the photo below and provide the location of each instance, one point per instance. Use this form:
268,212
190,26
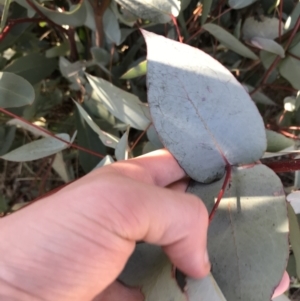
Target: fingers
158,168
283,285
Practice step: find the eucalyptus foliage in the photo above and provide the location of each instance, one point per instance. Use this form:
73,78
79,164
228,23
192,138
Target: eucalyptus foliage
194,77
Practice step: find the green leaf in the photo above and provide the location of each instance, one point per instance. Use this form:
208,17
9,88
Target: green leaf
15,91
138,70
60,168
38,149
107,160
34,67
123,105
228,40
259,97
88,139
268,45
156,11
183,96
292,18
206,10
294,236
122,148
153,137
76,17
238,4
111,27
277,142
248,236
106,138
4,14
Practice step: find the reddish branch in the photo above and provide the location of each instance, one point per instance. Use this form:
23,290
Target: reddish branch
284,165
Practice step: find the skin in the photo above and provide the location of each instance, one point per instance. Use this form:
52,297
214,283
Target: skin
73,245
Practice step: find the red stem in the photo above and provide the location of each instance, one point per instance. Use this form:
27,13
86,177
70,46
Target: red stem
221,193
52,135
284,165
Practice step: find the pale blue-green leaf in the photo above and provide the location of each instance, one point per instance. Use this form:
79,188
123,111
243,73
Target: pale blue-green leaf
90,16
125,18
289,68
238,4
264,27
294,199
107,160
287,151
238,29
294,236
153,137
60,168
122,148
228,40
68,69
267,58
205,10
34,67
59,50
32,129
277,142
183,96
100,55
292,19
185,4
125,32
75,17
268,45
149,268
4,14
205,289
259,97
248,236
7,138
111,27
15,91
106,138
138,70
38,149
149,147
123,105
156,11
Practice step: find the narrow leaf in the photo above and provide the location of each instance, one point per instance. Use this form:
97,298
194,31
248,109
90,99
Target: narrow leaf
238,4
228,40
122,148
111,27
4,14
206,10
184,95
38,149
15,91
123,105
138,70
268,45
277,142
248,236
107,160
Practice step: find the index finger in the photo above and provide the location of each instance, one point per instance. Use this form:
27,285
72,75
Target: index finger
158,168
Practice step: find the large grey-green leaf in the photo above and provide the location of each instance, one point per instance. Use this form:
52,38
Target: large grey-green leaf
230,41
75,17
150,269
294,236
34,67
38,149
156,11
264,27
15,91
123,105
111,27
248,236
188,90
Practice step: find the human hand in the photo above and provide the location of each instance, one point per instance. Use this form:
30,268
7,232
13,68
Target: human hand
73,244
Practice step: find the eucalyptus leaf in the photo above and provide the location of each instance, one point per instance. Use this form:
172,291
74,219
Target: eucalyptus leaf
230,41
111,27
206,10
4,14
153,137
60,168
75,17
277,142
15,91
34,67
248,236
268,45
156,11
292,19
123,105
106,138
294,199
107,160
259,97
294,236
238,4
38,149
183,96
122,148
138,70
